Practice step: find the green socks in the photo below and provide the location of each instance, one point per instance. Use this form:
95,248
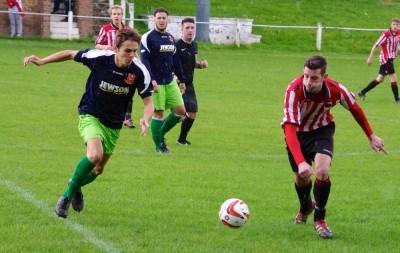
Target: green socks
160,127
156,125
82,170
169,122
89,178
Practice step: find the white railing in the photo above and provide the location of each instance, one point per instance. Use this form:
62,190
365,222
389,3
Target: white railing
319,29
238,26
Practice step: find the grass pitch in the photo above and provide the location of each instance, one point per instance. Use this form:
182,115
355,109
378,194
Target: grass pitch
150,203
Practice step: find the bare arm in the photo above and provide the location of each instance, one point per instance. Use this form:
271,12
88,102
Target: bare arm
56,57
147,114
369,60
104,47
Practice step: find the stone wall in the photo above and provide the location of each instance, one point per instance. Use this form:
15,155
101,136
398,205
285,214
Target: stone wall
39,25
33,25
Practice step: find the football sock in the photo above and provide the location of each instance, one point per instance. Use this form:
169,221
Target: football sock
370,86
82,169
395,90
89,178
185,128
156,125
321,194
169,122
128,113
304,196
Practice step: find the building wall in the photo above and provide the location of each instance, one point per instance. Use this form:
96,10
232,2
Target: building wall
39,25
33,25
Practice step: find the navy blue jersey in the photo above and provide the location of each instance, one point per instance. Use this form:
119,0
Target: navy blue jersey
110,88
158,54
188,55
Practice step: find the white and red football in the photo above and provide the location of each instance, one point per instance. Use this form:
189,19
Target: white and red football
234,213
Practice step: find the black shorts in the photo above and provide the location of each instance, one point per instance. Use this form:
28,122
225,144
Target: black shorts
388,68
317,141
189,98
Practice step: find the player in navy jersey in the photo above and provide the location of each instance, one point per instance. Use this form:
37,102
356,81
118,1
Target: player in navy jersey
158,53
113,80
309,128
187,50
105,41
389,42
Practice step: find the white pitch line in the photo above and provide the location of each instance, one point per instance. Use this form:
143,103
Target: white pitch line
107,247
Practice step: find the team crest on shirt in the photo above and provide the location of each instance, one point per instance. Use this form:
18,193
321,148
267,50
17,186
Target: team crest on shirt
129,79
171,39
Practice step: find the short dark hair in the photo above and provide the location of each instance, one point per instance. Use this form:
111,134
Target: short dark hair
187,20
126,34
316,62
160,9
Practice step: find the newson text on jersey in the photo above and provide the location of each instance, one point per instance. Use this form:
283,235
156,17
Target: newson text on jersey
108,87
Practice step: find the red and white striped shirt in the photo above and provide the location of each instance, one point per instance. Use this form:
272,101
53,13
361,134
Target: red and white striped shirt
107,34
311,111
388,43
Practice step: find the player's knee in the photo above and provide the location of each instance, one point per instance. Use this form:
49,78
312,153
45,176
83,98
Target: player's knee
98,170
95,157
191,115
301,181
179,111
322,174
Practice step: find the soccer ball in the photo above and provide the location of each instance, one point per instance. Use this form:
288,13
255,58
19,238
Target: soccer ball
234,213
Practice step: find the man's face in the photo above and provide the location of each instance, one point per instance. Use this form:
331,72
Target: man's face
394,26
116,16
188,31
161,21
313,80
125,54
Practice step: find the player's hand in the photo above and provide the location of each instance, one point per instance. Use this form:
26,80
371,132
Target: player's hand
203,63
377,144
155,86
182,87
34,59
305,170
369,61
144,124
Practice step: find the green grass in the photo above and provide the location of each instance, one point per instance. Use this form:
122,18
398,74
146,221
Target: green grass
331,13
149,203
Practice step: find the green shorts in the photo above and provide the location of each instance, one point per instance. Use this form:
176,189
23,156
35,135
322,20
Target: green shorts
168,96
90,127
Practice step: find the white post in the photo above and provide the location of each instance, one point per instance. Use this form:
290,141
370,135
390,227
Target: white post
237,38
131,14
70,20
123,5
319,36
111,3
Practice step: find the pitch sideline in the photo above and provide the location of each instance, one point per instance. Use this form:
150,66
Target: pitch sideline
107,247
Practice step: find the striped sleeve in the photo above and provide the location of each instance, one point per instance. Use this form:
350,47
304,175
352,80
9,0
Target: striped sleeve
347,98
292,114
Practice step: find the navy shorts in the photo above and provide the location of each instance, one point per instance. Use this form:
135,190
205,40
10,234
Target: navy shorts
189,98
388,68
317,141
